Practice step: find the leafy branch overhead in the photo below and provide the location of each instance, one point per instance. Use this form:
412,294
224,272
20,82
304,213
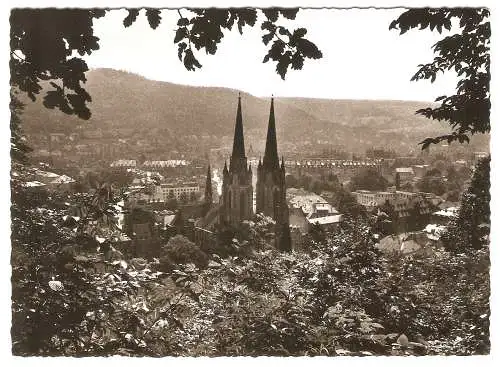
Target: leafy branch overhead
291,52
49,55
467,53
203,29
42,44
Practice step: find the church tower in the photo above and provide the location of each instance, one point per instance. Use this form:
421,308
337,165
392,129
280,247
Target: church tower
207,203
237,191
271,188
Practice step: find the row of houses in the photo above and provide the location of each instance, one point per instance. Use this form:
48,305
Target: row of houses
373,199
181,191
160,164
422,241
406,205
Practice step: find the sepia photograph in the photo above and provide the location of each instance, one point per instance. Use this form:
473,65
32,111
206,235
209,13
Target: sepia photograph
249,181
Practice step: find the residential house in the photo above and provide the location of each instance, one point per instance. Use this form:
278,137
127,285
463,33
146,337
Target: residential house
308,209
444,216
406,174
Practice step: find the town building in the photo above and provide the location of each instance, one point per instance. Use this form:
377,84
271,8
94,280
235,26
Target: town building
405,174
480,155
325,215
170,163
444,216
50,180
434,231
124,163
373,199
181,191
408,210
307,209
344,169
62,183
420,170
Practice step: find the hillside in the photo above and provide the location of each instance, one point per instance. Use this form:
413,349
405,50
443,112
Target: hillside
130,104
382,115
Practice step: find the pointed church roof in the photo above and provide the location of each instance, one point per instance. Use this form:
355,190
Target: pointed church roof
271,159
208,186
238,142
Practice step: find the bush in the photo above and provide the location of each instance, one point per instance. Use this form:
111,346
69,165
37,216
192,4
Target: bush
471,228
165,265
182,251
369,179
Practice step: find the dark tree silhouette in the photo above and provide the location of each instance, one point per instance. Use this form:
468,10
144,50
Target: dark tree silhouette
19,148
368,179
43,43
468,54
472,226
397,181
432,184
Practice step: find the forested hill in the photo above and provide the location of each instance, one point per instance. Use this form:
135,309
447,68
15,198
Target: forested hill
124,100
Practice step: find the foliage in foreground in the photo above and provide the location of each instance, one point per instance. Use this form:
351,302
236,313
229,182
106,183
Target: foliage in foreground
466,52
74,295
472,226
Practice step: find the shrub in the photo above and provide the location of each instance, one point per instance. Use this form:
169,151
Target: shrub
182,251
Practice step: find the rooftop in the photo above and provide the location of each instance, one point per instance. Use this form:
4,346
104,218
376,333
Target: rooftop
448,212
404,170
124,162
330,219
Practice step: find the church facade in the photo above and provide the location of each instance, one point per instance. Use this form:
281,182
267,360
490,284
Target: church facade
271,186
236,203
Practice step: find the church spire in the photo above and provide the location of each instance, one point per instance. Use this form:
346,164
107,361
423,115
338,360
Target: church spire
238,142
208,187
271,159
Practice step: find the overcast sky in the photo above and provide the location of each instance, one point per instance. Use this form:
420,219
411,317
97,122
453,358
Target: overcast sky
362,59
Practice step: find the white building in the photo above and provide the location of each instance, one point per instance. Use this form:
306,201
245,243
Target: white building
166,163
125,163
372,199
406,174
167,191
309,208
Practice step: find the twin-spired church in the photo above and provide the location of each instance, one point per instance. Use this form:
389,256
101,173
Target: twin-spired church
236,202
